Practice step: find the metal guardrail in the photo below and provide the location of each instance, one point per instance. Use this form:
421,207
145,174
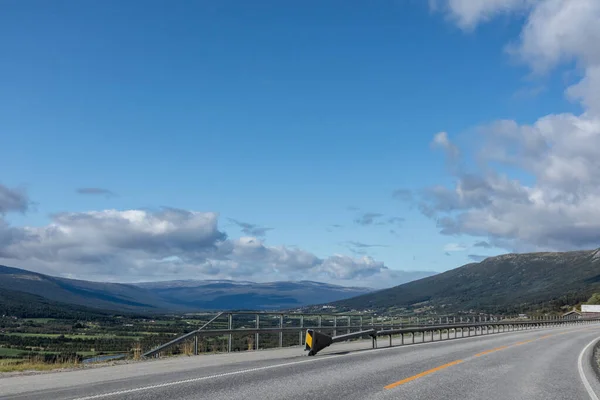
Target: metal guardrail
351,324
317,341
180,339
320,321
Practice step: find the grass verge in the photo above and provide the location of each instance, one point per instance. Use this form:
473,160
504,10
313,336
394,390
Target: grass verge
27,365
36,364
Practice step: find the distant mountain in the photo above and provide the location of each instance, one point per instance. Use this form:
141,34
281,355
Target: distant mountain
26,305
507,283
181,296
109,296
226,294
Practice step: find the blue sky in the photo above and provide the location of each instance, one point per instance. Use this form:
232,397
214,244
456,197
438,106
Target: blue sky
280,114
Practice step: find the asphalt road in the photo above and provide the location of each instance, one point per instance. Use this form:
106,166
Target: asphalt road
545,364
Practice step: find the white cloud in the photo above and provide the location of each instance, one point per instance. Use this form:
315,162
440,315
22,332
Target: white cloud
12,200
559,206
169,243
455,247
558,31
441,140
251,229
469,13
344,267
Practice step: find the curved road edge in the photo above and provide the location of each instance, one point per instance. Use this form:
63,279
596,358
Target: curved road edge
588,369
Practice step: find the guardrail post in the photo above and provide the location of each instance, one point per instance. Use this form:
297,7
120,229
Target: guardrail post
257,335
301,328
334,325
230,338
361,323
349,321
281,332
196,345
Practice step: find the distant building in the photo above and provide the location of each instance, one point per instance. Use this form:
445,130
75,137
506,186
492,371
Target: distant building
573,314
590,310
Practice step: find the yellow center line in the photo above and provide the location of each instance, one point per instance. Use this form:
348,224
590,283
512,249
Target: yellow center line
430,371
422,374
520,343
491,351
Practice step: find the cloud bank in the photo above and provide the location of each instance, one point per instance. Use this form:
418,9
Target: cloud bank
553,201
168,243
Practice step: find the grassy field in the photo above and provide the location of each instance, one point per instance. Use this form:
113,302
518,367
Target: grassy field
27,365
40,320
52,340
76,336
4,352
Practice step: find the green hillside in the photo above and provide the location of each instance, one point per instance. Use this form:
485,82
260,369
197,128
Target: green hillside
178,295
106,296
503,284
26,305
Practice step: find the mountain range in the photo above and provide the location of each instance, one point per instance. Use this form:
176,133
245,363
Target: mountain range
505,284
180,296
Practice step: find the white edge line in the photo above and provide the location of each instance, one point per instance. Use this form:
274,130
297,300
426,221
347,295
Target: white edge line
584,379
328,357
202,378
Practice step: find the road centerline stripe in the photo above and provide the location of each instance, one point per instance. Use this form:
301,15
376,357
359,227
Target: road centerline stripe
430,371
491,351
422,374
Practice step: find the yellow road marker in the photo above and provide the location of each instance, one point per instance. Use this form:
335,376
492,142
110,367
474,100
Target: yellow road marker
525,342
430,371
422,374
491,351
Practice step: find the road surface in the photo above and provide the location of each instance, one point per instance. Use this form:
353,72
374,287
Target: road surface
545,364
